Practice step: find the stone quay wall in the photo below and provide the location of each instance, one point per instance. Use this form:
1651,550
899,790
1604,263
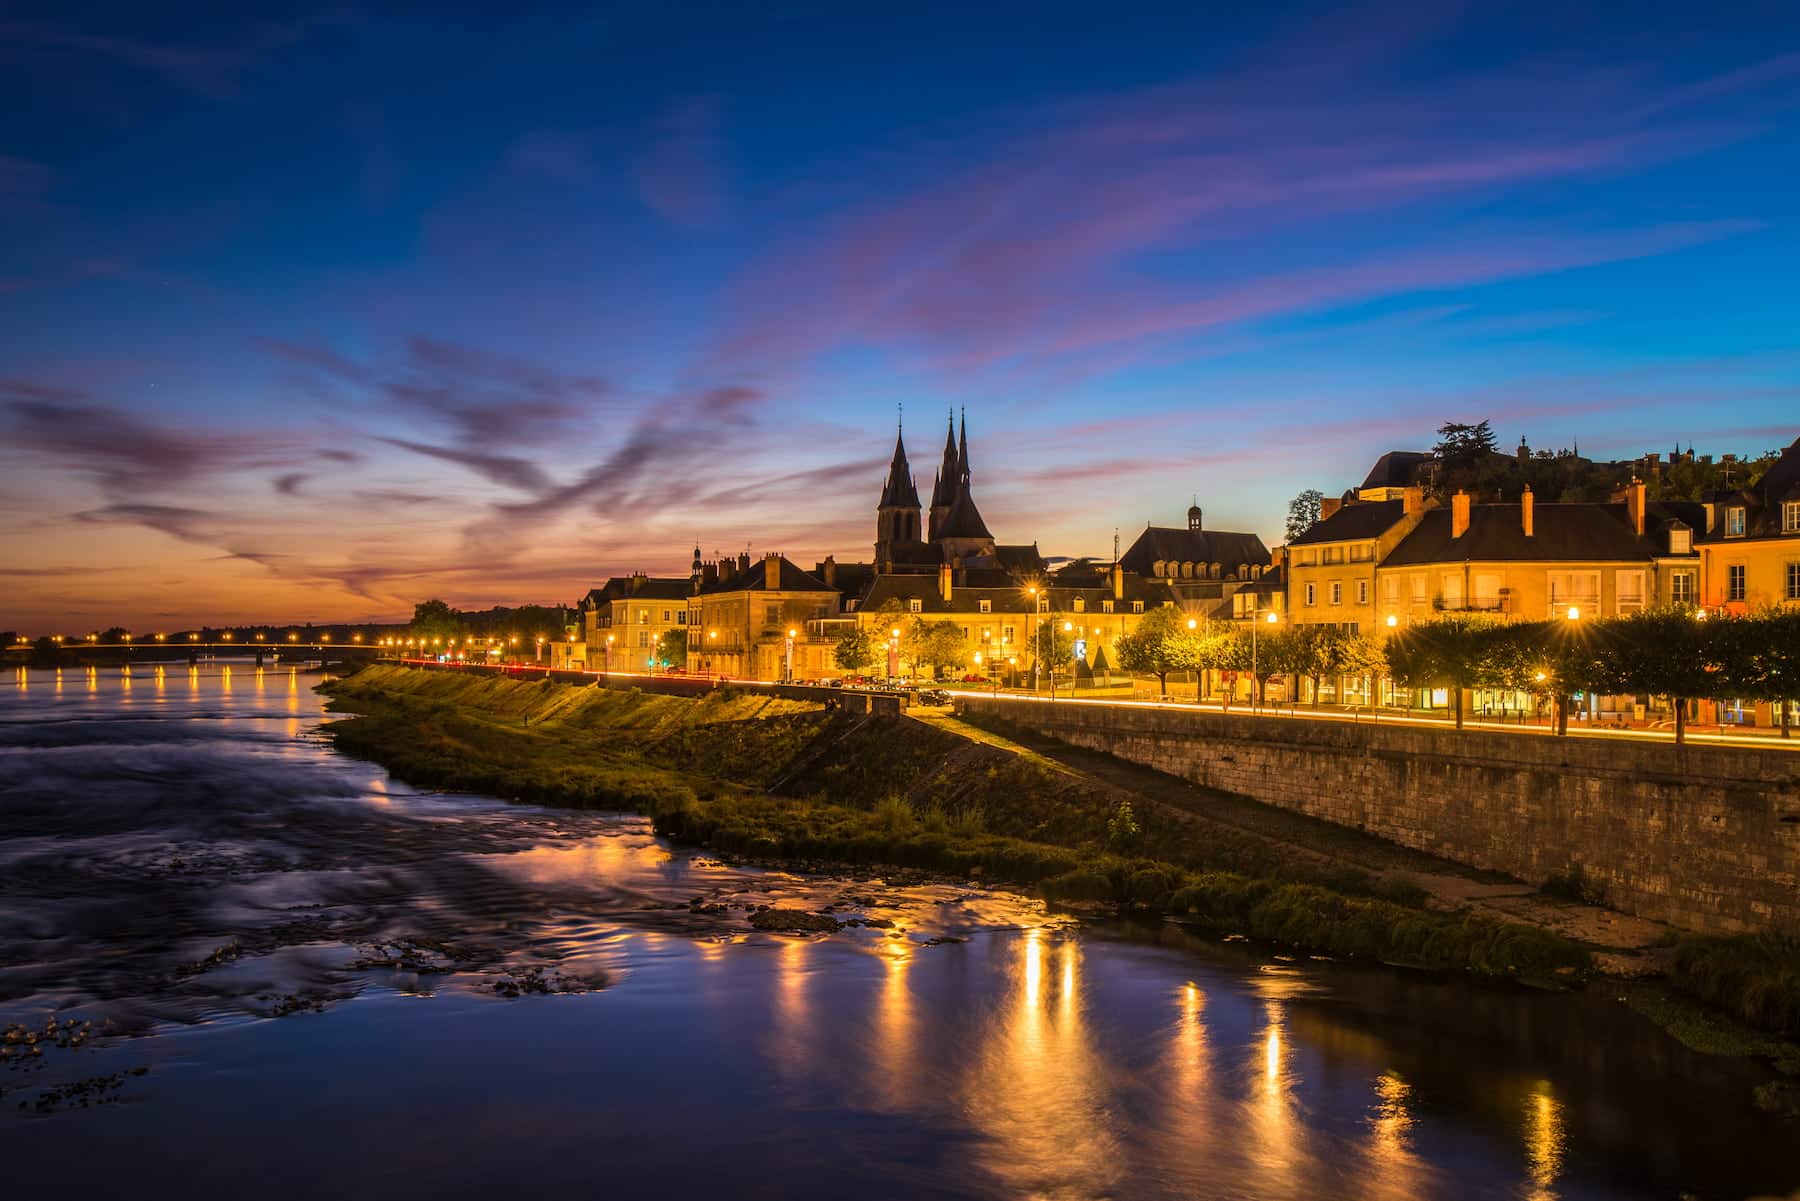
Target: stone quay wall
1706,838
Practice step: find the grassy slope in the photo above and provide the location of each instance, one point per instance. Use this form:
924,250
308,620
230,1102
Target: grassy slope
893,792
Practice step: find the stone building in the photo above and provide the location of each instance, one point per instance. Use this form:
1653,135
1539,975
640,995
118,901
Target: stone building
624,620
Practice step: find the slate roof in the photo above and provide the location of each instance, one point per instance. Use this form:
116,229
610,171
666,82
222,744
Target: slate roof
1561,533
619,588
964,519
793,579
1762,519
1396,469
1355,523
898,490
1005,595
1230,550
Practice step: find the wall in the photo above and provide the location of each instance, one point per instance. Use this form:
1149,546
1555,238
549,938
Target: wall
1706,838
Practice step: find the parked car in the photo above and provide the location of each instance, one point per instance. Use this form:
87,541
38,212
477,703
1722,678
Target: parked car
933,696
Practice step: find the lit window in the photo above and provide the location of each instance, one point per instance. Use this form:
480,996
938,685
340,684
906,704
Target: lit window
1734,582
1137,606
1734,523
1080,605
1006,635
643,616
1630,586
1043,604
987,606
1106,606
915,605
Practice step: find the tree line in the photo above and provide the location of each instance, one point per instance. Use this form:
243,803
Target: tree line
1674,652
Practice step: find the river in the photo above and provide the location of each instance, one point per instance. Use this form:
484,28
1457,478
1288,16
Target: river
303,979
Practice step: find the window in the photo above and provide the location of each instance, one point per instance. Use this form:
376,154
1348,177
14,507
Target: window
644,640
1681,588
1137,606
681,617
1734,582
1332,554
1630,585
1308,557
1574,590
1790,517
915,605
1362,592
1080,605
1006,635
1106,606
665,617
1361,553
771,615
1390,589
1793,581
643,616
987,606
1312,594
1734,523
1451,589
1337,592
1487,592
1419,587
1043,604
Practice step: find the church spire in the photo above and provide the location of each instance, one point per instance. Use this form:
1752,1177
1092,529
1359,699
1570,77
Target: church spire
962,453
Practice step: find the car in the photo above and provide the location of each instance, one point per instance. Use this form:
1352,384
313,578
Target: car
933,696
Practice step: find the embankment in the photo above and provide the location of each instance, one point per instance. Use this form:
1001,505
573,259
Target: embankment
785,780
1703,838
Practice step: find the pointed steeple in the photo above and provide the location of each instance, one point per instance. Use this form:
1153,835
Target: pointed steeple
943,491
962,454
899,490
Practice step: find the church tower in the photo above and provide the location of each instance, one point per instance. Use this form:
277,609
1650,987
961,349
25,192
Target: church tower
943,491
897,516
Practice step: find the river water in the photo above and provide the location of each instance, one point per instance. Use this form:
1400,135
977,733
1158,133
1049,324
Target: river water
305,979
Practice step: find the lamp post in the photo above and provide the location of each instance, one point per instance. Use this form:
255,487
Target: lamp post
606,663
893,663
1036,650
1255,693
787,667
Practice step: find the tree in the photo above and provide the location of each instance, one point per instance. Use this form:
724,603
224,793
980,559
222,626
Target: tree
1054,645
1668,652
939,645
1159,644
1451,650
435,619
671,648
854,650
1779,631
1463,445
1303,512
1552,660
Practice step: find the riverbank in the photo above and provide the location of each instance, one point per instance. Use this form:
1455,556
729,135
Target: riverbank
784,781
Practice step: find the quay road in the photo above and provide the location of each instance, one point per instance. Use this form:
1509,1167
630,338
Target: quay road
1763,739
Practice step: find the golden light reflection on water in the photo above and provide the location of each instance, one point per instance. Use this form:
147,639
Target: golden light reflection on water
1544,1141
894,1053
1394,1168
1036,1089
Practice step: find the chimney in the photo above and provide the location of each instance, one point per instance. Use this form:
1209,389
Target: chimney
772,572
828,570
1634,504
1330,505
1118,581
743,563
1412,501
710,574
1459,514
945,579
1526,506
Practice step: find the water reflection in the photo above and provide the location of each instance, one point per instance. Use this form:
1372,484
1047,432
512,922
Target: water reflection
1036,1091
1543,1142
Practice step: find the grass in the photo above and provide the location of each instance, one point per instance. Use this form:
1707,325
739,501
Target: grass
900,793
1755,978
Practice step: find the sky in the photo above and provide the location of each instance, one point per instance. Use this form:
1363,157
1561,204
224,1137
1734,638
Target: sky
312,313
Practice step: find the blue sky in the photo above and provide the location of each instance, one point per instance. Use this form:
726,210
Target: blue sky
316,312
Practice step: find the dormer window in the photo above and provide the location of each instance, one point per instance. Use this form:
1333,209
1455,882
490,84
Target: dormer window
1790,517
1080,605
1137,606
987,606
1681,540
1106,606
1734,522
915,605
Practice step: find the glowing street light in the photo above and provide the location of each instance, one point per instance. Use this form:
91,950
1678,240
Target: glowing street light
1574,613
1392,621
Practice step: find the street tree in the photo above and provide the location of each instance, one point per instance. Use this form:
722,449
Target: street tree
1667,651
1451,651
435,619
1160,643
671,648
1053,646
854,651
939,645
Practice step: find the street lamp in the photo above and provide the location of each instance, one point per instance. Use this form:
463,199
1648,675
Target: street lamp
893,652
1392,621
1271,617
1574,613
1036,651
787,667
